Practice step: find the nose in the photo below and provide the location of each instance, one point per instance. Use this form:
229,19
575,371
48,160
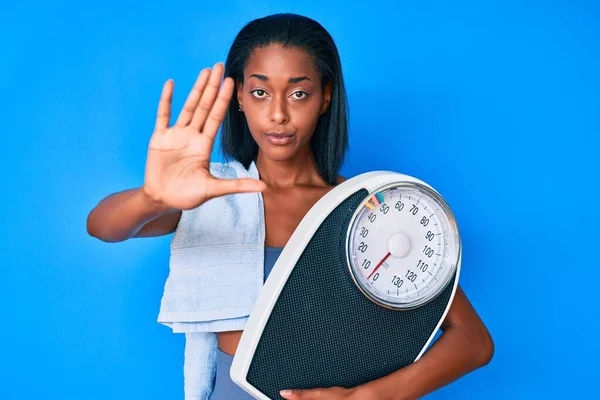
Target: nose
278,111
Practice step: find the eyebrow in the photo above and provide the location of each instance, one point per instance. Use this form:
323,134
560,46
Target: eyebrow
291,80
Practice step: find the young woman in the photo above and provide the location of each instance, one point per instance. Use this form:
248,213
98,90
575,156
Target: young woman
283,109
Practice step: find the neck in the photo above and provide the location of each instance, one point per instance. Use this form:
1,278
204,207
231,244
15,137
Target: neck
301,170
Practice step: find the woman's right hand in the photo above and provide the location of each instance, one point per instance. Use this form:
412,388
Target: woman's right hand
177,168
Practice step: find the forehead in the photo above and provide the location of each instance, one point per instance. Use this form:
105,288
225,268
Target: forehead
278,62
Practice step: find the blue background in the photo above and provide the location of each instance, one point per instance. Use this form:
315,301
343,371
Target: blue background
495,105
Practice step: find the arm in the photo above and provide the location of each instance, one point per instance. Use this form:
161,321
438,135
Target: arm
464,346
178,173
130,213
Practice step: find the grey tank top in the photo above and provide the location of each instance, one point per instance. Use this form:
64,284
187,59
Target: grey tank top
225,389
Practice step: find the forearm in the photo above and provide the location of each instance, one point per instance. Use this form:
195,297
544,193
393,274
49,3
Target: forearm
121,215
456,352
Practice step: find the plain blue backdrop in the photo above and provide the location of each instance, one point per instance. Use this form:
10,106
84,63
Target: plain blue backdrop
495,105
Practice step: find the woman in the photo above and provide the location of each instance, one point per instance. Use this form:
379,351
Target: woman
283,109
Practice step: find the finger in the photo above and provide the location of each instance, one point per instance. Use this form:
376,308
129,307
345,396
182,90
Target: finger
221,187
193,98
217,113
208,97
164,106
302,394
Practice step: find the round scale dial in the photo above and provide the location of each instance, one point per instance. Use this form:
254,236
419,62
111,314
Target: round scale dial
403,245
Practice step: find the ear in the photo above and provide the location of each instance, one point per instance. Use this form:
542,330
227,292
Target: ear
239,85
326,98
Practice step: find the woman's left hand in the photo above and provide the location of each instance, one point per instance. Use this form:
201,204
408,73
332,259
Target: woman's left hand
330,393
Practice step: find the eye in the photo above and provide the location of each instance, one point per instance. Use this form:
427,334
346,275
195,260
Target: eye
299,94
258,93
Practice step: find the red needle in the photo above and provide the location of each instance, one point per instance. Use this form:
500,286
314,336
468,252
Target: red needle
379,265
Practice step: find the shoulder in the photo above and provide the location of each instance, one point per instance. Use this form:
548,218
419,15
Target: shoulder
228,170
341,179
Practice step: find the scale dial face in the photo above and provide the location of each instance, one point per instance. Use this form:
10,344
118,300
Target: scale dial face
403,245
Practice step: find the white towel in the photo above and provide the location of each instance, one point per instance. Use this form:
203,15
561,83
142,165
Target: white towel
217,256
216,273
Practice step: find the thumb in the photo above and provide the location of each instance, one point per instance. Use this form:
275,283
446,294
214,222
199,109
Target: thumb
221,187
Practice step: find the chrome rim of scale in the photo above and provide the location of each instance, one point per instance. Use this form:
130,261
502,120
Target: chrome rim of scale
402,245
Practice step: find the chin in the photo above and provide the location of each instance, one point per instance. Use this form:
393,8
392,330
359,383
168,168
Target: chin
280,154
288,152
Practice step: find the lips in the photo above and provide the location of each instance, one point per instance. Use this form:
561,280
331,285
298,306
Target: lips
279,134
279,138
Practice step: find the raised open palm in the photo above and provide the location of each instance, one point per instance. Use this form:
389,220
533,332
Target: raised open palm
177,167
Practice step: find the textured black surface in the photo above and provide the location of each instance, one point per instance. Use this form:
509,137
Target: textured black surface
324,332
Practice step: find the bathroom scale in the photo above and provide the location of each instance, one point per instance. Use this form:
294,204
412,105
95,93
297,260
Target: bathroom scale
358,292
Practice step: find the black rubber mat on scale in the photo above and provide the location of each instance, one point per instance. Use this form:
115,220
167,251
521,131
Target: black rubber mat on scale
324,332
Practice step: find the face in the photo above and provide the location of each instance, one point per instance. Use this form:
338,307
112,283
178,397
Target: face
282,100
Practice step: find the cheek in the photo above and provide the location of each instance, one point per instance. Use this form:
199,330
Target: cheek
253,124
308,115
257,121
